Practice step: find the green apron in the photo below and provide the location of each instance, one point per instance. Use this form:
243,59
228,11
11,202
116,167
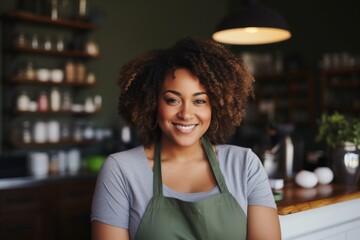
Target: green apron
217,217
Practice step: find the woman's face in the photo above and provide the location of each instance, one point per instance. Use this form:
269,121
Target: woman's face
184,110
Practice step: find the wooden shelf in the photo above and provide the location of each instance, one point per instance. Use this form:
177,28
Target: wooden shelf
345,86
285,76
55,113
341,94
21,81
76,33
341,71
343,109
65,53
291,92
29,17
56,144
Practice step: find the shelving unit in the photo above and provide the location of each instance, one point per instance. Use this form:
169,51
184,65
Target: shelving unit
290,95
11,83
341,88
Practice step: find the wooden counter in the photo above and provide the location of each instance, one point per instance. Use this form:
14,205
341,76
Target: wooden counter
297,199
323,212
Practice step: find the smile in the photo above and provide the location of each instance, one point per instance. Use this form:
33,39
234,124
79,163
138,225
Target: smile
185,128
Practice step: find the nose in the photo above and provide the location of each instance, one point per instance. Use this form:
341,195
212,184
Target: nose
185,112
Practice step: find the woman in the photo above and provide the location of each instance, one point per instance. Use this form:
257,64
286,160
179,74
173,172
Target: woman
182,184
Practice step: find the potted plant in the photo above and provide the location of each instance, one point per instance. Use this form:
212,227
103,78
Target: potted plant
342,136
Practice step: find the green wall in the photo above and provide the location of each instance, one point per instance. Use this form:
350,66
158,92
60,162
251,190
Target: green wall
133,26
129,27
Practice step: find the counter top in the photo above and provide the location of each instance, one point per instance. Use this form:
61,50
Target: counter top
297,199
31,181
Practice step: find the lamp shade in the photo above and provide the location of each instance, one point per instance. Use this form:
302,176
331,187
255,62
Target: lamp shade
254,24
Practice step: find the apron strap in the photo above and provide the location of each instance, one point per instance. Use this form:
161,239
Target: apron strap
214,163
157,184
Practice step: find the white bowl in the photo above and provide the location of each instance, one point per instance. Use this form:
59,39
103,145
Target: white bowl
57,75
43,74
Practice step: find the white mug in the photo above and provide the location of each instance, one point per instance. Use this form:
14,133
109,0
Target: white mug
38,163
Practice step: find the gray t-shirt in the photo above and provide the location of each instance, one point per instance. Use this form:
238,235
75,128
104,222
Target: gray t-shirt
125,185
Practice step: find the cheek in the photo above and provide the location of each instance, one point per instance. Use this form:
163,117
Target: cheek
163,112
205,115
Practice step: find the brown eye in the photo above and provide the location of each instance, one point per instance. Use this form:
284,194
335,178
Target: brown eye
200,101
172,101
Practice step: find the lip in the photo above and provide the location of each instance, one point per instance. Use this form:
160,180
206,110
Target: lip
184,128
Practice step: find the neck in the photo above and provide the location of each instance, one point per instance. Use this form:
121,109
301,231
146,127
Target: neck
171,152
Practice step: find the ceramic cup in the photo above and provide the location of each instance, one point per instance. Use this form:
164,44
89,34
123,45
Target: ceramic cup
73,161
38,163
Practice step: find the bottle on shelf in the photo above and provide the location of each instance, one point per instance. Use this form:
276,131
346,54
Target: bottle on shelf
34,41
70,71
23,101
55,100
65,132
60,43
53,131
26,133
66,101
54,163
89,105
90,78
89,132
20,40
98,102
40,132
77,134
30,73
80,72
47,43
43,102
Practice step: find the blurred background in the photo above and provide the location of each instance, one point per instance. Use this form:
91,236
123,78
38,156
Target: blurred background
60,61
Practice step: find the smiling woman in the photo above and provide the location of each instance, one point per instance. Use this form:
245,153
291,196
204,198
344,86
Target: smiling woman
184,111
183,182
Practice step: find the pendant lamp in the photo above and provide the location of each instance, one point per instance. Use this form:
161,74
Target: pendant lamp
252,25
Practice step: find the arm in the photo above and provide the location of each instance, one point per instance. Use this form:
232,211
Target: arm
102,231
263,223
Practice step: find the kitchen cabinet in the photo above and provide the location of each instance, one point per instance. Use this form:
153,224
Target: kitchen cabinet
284,97
21,65
341,87
325,211
51,210
22,214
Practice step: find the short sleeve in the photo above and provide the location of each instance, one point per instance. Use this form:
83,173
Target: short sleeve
110,203
259,191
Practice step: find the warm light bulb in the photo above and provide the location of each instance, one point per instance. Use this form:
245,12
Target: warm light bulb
251,29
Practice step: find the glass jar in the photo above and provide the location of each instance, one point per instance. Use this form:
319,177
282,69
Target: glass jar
80,72
26,133
30,71
66,101
23,101
60,43
53,131
20,40
55,103
43,102
47,43
40,132
34,41
70,71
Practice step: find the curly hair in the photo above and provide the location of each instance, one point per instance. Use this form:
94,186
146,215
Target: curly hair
223,74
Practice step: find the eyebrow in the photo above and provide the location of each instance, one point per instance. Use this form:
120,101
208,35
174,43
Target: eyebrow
179,94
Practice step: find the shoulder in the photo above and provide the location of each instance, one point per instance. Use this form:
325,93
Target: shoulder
233,158
126,161
228,152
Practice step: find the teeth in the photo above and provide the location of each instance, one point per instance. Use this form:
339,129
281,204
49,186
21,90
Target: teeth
185,128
